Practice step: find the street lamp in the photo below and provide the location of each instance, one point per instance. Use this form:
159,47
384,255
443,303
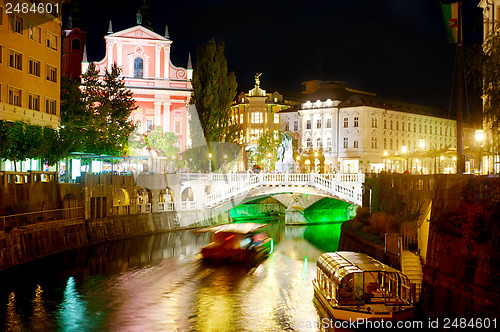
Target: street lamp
210,163
479,138
269,162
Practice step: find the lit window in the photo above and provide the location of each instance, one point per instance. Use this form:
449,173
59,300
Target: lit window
14,96
138,68
318,124
35,32
276,118
241,118
256,117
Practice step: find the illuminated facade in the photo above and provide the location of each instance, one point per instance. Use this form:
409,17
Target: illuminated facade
161,90
353,131
74,41
30,64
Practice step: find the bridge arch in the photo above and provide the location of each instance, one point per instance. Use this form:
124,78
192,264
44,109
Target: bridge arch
121,201
187,194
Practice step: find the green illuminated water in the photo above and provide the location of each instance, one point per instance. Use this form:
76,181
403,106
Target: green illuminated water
326,217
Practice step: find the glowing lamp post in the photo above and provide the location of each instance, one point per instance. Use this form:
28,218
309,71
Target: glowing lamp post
210,163
479,138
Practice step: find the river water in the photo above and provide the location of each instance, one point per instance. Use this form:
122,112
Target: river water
158,283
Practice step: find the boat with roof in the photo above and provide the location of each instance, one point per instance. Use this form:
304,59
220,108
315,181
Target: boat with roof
353,286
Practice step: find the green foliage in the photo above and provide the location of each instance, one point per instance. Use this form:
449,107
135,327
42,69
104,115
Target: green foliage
213,93
163,143
105,119
267,148
224,155
483,63
381,223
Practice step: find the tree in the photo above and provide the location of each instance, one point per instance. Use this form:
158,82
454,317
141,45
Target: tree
267,148
484,71
75,116
213,93
108,105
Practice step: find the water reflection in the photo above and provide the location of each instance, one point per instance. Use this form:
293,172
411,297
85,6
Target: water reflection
157,283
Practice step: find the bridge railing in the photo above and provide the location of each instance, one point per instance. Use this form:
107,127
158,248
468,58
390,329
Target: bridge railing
344,186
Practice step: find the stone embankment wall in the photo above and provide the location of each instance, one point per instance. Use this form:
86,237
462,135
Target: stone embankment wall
460,280
43,239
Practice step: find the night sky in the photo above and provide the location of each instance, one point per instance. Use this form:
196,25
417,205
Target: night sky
394,48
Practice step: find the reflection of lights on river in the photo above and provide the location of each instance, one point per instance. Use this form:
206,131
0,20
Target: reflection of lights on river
72,309
13,320
272,244
40,318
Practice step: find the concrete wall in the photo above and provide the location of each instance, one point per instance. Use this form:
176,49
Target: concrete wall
43,239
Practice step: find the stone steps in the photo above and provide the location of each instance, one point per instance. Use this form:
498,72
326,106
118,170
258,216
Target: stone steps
412,268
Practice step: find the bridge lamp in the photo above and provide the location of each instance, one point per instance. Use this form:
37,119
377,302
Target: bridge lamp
210,163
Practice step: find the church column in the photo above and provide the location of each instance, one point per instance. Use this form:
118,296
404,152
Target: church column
157,61
166,115
109,53
119,54
166,61
158,120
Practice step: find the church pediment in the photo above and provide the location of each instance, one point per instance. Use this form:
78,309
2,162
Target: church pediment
138,32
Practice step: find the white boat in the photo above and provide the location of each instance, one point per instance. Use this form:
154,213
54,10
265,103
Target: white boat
352,286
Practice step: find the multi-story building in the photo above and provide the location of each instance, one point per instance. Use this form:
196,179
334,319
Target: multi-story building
351,131
74,41
30,61
161,90
258,113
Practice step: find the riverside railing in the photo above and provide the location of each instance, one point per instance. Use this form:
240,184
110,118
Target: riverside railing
30,218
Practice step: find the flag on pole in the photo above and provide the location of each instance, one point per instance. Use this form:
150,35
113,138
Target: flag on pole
450,16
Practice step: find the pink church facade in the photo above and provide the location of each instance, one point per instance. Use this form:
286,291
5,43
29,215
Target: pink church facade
161,90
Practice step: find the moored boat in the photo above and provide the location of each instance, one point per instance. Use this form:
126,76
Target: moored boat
352,286
241,242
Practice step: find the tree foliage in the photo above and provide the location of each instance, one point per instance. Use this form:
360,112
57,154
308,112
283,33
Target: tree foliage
213,92
105,119
484,72
267,149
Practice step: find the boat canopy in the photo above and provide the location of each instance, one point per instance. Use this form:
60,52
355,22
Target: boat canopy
240,228
337,265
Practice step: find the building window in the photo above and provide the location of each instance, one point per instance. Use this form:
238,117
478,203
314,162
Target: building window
276,118
391,124
1,53
319,144
138,67
308,124
328,123
241,118
287,126
355,144
51,41
409,127
256,117
50,106
149,125
374,143
1,15
16,60
177,127
52,73
397,125
318,124
35,33
374,122
440,130
346,142
356,121
34,67
15,96
329,143
309,143
346,122
391,144
435,130
385,124
75,44
296,125
33,102
414,127
385,143
397,144
402,126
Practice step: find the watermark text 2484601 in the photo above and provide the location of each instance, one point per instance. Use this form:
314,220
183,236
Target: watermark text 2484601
36,8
